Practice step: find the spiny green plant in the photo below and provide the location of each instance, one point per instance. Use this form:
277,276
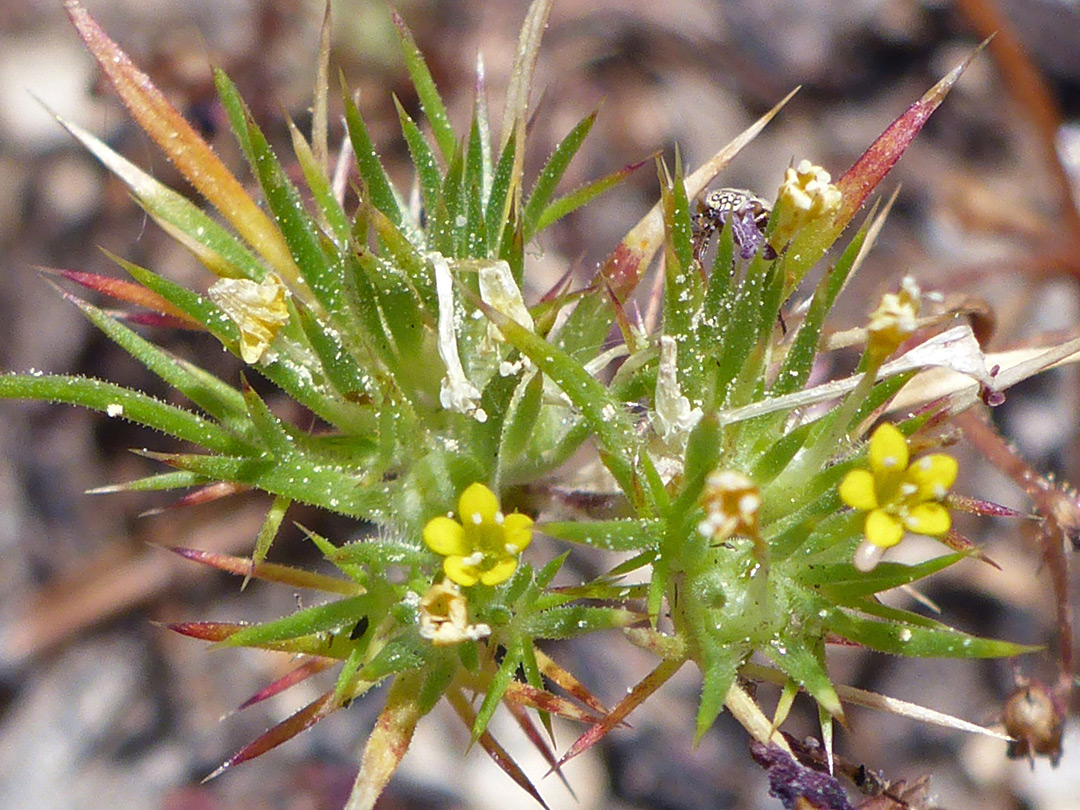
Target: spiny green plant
753,514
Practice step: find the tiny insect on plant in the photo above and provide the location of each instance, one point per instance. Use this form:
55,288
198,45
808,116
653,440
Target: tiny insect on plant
749,215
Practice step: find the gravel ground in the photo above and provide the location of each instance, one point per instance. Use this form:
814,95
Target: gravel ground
100,708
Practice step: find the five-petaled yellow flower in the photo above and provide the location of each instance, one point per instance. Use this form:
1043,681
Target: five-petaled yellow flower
896,495
485,545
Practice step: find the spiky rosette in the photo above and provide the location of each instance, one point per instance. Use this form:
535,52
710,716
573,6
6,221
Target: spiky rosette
753,507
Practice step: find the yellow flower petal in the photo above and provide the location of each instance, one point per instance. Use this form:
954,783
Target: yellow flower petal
500,572
928,518
445,536
857,490
933,474
888,450
477,505
459,572
517,531
883,529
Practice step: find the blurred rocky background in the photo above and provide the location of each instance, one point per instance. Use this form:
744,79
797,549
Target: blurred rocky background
102,708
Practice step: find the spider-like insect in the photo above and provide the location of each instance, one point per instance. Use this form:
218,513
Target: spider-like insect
749,216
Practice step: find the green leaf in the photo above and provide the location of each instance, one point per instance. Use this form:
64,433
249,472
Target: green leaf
198,307
323,273
570,202
721,292
607,418
799,361
473,237
520,420
778,452
328,618
847,583
347,678
495,399
439,672
345,372
376,183
411,262
427,168
552,173
400,653
236,110
718,674
497,686
276,436
308,480
213,244
569,621
400,311
377,552
703,450
305,383
136,406
269,529
330,213
500,197
176,479
444,230
806,668
611,535
430,100
684,287
221,401
550,569
921,642
746,322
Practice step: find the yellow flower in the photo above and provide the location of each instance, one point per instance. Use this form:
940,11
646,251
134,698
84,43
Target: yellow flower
444,616
806,195
895,319
897,496
258,310
485,545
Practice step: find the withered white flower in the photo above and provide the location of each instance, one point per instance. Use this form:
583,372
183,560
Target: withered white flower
258,310
499,291
674,418
444,616
456,392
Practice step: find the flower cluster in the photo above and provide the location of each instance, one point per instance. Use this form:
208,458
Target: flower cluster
485,545
897,496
